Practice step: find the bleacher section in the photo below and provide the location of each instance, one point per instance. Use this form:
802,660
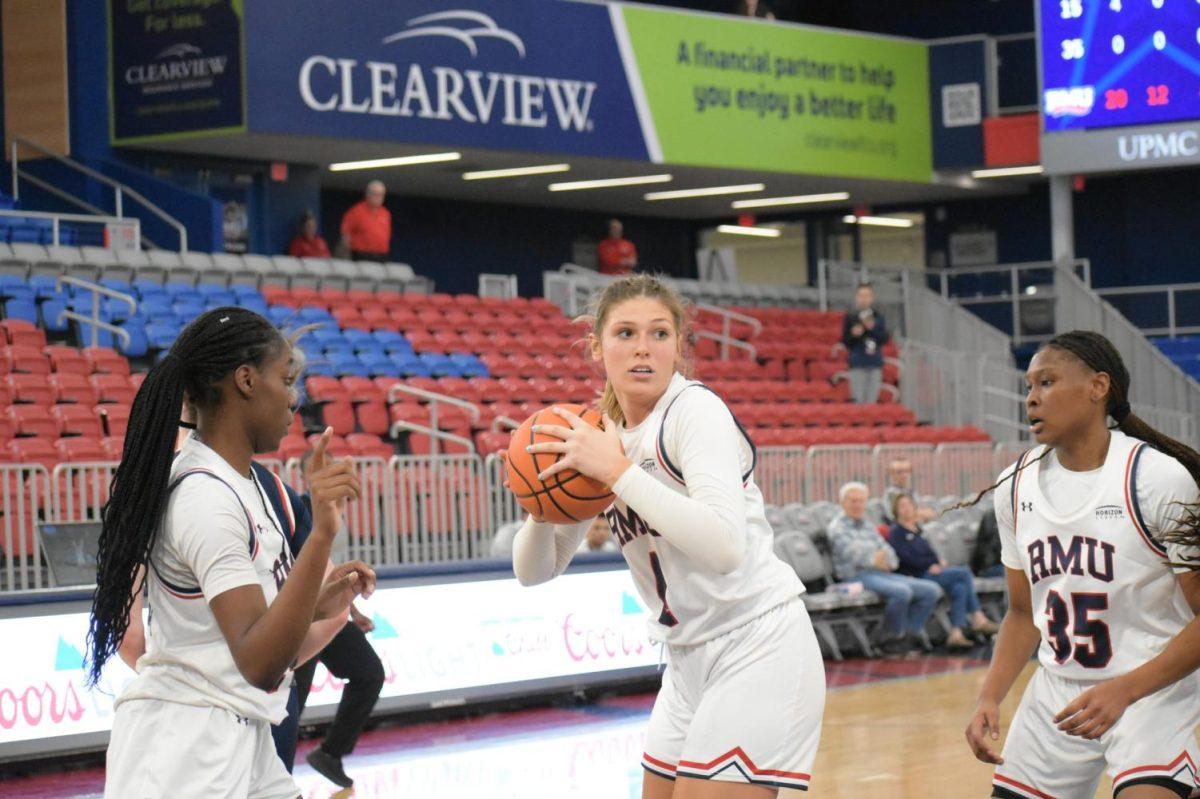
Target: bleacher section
1184,352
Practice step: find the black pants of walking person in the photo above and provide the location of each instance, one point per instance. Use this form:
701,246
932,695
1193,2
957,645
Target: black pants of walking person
348,657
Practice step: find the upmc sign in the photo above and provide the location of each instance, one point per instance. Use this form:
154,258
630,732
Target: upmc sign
486,74
1144,147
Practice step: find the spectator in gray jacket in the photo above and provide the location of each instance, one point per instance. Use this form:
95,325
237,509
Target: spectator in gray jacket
860,554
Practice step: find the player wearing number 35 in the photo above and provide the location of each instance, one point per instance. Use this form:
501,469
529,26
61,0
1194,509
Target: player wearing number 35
1098,529
739,713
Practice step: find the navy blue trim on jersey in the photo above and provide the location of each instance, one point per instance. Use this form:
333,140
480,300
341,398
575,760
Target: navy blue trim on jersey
183,592
1012,489
1134,505
674,470
299,521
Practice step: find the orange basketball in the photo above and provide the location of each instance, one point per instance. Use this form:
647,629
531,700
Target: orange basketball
568,496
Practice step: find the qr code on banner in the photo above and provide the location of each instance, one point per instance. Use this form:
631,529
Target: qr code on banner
961,105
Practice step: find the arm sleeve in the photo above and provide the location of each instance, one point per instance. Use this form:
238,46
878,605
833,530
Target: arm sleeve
1010,555
541,551
1164,487
211,536
708,524
851,341
880,333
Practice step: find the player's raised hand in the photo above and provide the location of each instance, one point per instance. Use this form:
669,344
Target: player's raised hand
597,454
332,483
1096,710
341,587
983,730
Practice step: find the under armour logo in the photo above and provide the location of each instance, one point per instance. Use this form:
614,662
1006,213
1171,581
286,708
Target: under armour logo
1027,507
648,465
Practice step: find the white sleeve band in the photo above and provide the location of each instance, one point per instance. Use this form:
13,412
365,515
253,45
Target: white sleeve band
708,524
541,551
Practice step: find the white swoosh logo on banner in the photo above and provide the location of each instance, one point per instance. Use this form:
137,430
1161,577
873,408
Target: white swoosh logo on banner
178,51
488,30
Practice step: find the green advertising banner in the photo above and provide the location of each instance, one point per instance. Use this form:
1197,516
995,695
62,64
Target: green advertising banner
738,93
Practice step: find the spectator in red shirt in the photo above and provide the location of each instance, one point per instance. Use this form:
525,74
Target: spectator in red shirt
367,226
616,254
308,242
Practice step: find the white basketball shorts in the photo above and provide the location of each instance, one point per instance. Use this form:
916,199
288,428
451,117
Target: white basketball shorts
162,749
743,707
1153,742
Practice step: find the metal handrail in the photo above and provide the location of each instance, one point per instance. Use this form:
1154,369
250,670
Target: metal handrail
727,342
1172,329
399,426
501,423
119,188
94,320
55,219
434,398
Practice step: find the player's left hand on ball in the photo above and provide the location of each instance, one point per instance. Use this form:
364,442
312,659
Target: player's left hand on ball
1095,711
597,454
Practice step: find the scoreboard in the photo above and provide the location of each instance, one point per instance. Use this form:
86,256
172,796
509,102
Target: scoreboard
1130,68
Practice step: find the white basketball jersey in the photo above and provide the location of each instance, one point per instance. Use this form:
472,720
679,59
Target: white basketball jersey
1104,594
690,604
212,513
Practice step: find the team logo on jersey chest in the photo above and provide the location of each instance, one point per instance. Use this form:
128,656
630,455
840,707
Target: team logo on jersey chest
1082,556
1110,512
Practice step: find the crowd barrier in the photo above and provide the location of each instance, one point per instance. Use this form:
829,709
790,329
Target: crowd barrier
418,509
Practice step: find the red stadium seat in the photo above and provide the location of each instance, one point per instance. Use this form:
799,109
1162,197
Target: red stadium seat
72,388
113,388
106,361
338,414
135,381
325,389
113,447
488,442
366,445
25,360
114,418
33,420
338,447
34,450
292,446
8,430
79,450
68,360
75,420
29,389
20,333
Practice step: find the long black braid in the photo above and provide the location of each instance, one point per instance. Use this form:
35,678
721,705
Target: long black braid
1099,355
215,344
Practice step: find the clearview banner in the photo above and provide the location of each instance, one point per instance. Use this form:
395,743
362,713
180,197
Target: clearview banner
576,78
431,638
175,67
541,75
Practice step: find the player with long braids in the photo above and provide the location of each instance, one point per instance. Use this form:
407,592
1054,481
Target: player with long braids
224,627
1099,530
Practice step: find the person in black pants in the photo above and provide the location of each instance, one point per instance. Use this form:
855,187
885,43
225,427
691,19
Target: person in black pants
350,657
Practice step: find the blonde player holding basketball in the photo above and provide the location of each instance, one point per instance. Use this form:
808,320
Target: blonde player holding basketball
739,713
1092,523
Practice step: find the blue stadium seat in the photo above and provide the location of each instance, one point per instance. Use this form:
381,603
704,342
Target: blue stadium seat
408,365
123,286
319,368
116,310
43,287
309,315
103,337
388,338
16,289
344,365
377,363
139,345
51,315
161,336
281,315
361,338
250,303
439,365
469,365
149,288
21,309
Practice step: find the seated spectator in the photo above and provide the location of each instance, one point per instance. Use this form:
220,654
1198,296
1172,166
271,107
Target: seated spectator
755,8
599,537
985,558
917,559
861,554
900,481
308,242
